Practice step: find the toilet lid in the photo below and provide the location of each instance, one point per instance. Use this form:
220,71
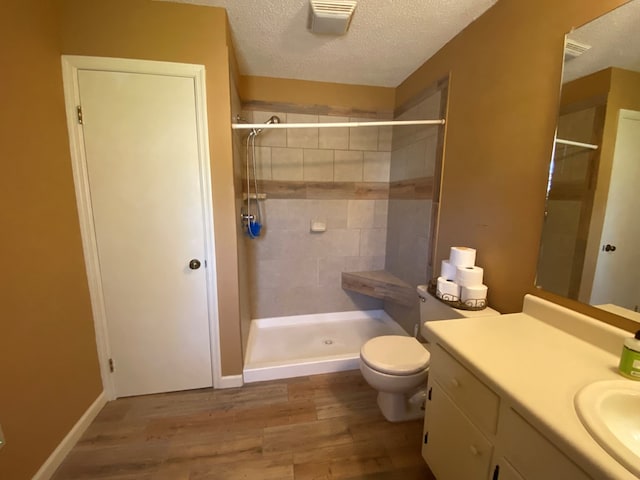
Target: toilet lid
395,354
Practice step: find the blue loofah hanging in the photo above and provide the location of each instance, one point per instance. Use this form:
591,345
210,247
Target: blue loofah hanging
253,229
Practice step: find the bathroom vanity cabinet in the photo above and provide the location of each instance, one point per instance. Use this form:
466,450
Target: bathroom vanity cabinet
501,390
470,432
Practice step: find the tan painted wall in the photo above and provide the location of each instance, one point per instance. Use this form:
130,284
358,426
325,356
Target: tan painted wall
504,87
48,365
593,86
152,30
302,92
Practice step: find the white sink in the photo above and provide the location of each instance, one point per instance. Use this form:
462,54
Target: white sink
610,411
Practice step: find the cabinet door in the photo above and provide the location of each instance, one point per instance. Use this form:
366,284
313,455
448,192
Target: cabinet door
535,457
455,449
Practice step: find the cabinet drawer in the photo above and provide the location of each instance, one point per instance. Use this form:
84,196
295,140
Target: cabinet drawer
476,399
532,454
455,449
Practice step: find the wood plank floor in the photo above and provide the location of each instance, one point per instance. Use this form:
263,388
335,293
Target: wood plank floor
317,427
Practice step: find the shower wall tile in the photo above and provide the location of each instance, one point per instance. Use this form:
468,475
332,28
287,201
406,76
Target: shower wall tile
361,213
285,215
372,241
270,138
431,154
340,242
286,244
348,166
363,138
417,160
407,242
380,212
263,163
385,135
318,165
294,271
429,108
330,270
332,212
286,164
365,263
302,137
333,138
273,302
283,273
398,170
376,167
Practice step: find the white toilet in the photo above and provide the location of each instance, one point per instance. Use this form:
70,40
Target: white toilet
397,366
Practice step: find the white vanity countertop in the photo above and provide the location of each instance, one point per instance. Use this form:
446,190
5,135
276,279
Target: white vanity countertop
538,368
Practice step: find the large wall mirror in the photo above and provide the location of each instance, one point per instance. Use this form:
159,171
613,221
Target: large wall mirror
590,248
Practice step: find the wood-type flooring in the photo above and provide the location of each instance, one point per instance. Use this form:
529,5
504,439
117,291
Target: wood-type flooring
316,427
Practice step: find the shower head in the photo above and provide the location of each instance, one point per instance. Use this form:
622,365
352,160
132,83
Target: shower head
272,119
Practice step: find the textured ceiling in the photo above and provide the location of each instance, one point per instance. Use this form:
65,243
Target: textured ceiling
387,40
614,40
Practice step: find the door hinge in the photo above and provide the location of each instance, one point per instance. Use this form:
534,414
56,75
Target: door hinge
205,263
429,393
79,113
426,438
111,367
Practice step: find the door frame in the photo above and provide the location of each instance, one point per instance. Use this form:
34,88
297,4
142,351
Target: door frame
70,66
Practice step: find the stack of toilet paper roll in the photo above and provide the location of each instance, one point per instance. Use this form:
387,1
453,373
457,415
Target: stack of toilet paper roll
460,279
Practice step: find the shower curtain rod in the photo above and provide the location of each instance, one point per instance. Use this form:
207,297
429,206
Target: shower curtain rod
264,126
576,144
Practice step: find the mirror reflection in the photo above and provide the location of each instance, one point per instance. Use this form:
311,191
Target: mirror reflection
590,249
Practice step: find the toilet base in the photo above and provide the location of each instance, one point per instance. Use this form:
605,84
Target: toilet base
397,408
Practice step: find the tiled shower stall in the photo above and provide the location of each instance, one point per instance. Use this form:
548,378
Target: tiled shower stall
372,187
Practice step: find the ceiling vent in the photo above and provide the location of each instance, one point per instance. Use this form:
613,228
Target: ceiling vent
331,17
573,49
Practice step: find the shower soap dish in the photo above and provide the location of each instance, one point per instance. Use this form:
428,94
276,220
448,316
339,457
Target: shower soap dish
473,305
254,196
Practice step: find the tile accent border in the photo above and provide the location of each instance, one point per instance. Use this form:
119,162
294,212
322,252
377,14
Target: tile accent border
315,109
413,189
324,190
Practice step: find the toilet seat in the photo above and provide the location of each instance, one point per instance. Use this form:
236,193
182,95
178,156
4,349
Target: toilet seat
395,355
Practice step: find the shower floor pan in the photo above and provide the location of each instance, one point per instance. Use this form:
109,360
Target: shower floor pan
285,347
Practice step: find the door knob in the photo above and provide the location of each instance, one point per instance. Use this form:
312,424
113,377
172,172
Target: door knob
194,264
609,248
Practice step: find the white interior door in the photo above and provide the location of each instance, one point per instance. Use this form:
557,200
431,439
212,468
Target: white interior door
141,150
617,275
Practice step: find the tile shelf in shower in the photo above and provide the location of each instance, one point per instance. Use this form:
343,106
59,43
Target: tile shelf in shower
380,284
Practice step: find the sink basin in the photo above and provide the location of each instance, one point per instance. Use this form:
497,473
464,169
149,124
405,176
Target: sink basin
610,411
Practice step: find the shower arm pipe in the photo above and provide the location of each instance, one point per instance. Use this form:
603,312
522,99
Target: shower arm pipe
576,144
250,126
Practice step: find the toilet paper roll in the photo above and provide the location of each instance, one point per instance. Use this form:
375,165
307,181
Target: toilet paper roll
475,296
469,276
447,270
462,256
447,290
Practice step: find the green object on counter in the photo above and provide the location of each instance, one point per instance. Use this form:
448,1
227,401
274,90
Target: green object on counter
630,358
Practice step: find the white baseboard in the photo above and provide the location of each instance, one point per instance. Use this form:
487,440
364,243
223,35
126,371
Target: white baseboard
49,467
230,381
